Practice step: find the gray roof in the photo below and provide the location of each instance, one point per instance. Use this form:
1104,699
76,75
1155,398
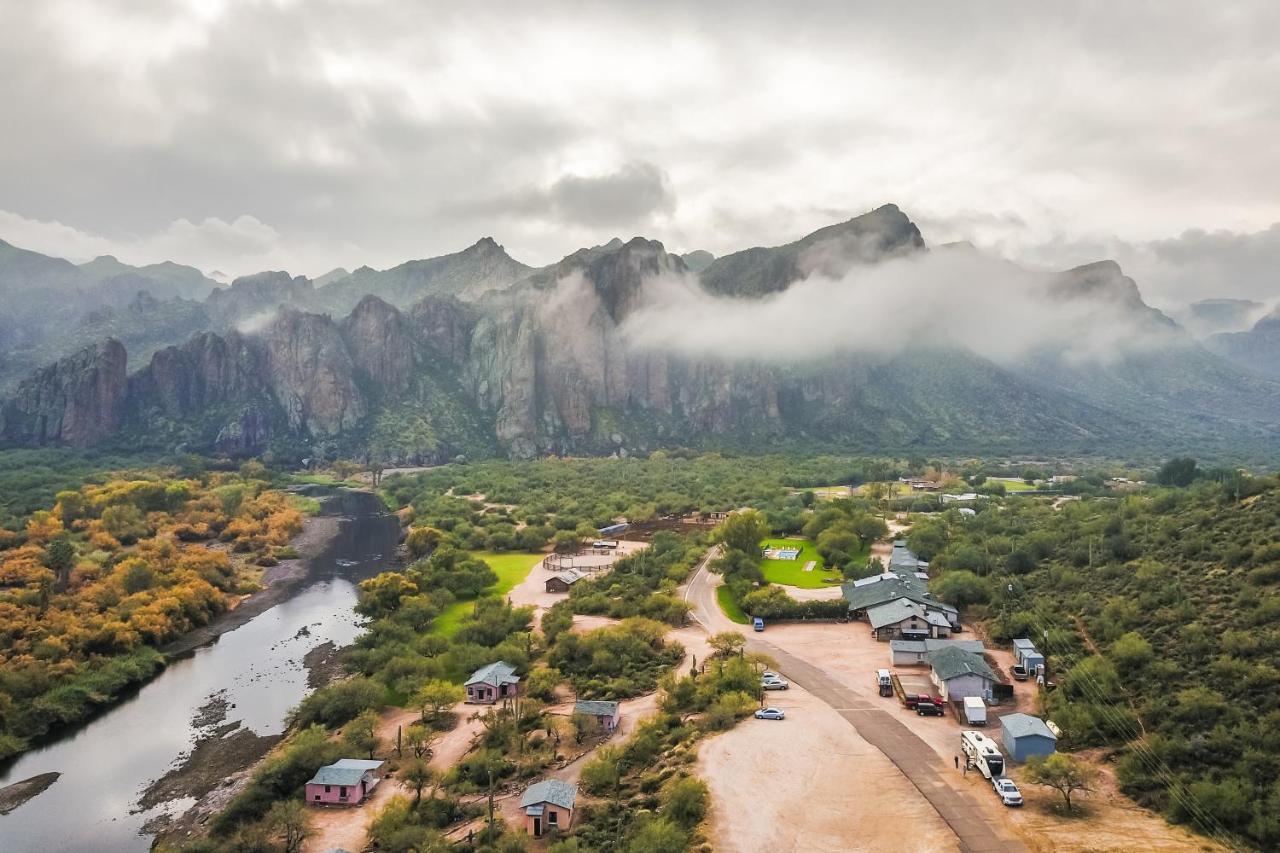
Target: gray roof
1023,643
595,707
358,763
893,612
570,576
496,673
931,644
332,774
552,791
889,589
953,662
1023,725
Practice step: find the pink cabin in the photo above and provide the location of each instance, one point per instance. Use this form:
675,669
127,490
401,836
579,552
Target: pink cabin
548,807
346,782
489,684
607,714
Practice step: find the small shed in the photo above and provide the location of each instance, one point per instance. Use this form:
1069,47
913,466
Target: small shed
562,581
1024,736
607,714
1024,652
548,805
490,683
346,782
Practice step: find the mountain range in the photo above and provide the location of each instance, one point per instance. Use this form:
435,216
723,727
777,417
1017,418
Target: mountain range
475,353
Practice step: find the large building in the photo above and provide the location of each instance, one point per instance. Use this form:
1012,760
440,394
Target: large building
959,674
906,580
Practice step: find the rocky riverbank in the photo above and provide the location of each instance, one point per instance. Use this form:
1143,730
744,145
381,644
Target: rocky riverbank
279,582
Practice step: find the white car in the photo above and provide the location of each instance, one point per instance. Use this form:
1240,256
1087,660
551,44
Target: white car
770,714
1007,791
775,683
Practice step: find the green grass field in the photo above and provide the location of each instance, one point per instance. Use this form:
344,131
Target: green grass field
511,569
1011,485
791,572
730,607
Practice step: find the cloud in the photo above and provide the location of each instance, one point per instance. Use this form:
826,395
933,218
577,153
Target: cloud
240,246
714,125
936,300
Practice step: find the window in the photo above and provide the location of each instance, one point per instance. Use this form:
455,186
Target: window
552,818
326,788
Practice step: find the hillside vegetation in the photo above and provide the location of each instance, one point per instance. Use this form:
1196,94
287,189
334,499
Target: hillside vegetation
1160,613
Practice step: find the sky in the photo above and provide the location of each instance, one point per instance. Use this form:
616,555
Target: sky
240,135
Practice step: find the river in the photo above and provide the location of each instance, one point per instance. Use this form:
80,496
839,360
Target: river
257,668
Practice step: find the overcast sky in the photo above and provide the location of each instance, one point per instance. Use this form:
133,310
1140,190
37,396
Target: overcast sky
306,135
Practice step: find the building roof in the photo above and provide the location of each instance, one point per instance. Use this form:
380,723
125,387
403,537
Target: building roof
952,662
497,674
332,774
552,791
595,707
931,644
1024,725
934,617
1023,643
893,612
358,763
885,590
570,576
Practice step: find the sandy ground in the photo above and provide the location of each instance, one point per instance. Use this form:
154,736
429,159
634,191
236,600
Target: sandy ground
348,828
811,783
533,589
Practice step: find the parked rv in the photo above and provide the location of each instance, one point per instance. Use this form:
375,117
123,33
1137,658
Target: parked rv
982,753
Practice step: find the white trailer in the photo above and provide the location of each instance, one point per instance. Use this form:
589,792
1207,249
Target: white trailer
981,752
975,711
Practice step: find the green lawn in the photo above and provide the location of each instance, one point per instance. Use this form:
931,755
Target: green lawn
1012,485
729,606
511,568
791,572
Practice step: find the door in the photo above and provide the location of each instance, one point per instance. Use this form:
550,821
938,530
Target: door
537,827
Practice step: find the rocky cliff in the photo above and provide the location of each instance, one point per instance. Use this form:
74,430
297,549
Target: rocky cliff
550,364
78,400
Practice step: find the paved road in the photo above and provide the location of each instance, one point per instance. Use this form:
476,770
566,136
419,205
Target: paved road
912,755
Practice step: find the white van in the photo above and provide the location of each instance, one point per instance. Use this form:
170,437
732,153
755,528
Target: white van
885,682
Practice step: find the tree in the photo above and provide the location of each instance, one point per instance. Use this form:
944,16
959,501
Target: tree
685,801
290,822
869,528
1062,772
1179,471
727,643
742,531
417,774
960,588
658,836
435,696
421,541
362,733
418,738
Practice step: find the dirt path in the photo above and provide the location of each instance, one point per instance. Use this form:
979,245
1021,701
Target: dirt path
348,828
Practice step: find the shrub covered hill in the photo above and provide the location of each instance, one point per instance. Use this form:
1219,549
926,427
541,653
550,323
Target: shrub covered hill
1160,614
475,354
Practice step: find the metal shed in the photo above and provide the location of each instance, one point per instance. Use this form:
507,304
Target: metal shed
1024,652
1024,736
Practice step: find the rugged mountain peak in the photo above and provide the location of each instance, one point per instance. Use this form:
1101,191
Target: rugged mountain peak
77,400
618,274
879,234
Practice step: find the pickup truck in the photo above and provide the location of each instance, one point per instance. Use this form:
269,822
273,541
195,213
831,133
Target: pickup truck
912,700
